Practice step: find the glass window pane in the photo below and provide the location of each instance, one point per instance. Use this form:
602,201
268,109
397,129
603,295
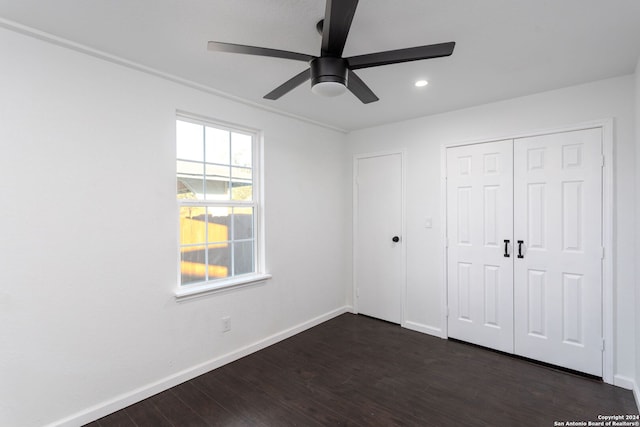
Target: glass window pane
241,190
243,257
217,171
241,150
192,225
189,169
241,173
217,182
219,225
192,265
242,223
217,190
217,146
219,261
184,190
190,181
189,143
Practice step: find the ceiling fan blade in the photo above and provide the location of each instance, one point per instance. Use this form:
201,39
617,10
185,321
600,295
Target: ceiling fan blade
335,29
260,51
289,85
360,89
401,55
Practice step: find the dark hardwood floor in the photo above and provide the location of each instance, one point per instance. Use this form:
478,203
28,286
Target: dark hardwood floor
358,371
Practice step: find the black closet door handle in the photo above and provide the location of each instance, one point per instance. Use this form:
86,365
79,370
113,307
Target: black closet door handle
520,243
506,248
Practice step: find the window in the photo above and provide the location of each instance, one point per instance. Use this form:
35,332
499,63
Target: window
217,195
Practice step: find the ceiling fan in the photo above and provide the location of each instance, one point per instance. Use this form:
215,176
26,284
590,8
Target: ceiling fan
330,73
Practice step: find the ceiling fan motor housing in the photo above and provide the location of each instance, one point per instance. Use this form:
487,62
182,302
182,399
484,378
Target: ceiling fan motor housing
328,69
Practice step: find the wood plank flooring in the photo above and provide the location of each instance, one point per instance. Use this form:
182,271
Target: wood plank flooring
358,371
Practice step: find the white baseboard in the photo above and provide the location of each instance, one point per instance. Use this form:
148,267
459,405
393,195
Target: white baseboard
624,382
425,329
122,401
629,384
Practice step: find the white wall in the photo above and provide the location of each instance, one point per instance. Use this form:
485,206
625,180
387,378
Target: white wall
89,235
422,139
637,214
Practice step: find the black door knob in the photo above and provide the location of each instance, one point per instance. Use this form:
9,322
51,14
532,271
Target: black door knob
395,239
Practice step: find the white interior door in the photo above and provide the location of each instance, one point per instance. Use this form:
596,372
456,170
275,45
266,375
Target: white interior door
378,259
479,230
558,218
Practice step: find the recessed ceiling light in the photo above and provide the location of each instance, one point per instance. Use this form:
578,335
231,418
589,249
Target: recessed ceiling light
421,83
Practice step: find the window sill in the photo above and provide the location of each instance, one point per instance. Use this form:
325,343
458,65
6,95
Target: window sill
195,291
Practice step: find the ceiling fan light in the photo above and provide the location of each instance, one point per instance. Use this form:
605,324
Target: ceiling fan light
328,76
328,89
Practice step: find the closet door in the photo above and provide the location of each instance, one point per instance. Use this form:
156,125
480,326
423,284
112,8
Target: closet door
558,273
378,261
479,222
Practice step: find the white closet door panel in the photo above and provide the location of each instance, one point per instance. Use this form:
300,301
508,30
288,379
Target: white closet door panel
479,219
378,262
558,216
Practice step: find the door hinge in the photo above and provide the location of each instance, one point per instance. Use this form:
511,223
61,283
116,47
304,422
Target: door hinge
602,345
357,292
602,252
602,161
446,312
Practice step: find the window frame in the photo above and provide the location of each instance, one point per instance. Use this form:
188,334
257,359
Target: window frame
258,276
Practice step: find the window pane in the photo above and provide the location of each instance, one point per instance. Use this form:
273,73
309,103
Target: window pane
241,173
241,190
242,223
189,143
192,265
219,261
189,169
217,182
219,226
243,257
216,189
192,225
190,181
241,150
184,191
217,146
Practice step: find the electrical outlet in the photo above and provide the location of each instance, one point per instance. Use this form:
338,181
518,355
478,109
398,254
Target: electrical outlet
226,324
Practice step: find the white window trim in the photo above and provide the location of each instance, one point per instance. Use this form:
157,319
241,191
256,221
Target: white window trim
218,286
195,290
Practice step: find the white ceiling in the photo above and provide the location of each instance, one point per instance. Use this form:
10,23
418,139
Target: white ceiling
505,48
